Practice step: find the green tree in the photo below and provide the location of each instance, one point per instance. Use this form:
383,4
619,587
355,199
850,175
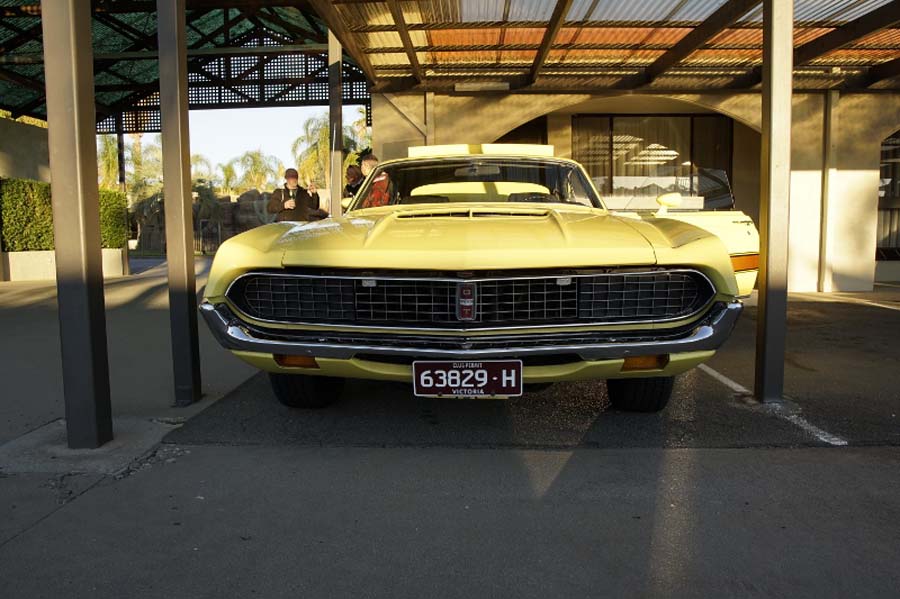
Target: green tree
361,131
258,170
145,176
228,177
312,149
201,168
108,161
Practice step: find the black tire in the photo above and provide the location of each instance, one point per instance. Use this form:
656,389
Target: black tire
302,391
640,395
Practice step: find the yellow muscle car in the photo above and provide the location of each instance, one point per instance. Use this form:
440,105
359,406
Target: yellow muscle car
479,271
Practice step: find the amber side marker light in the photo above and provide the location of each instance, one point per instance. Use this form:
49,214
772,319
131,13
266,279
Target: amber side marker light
296,361
645,362
745,262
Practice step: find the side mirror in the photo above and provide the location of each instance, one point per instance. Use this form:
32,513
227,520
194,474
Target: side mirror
666,201
345,203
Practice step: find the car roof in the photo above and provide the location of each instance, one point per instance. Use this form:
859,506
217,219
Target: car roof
481,151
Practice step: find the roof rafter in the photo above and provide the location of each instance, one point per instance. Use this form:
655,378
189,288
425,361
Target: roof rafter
716,23
148,6
881,18
556,22
879,72
400,21
269,16
326,11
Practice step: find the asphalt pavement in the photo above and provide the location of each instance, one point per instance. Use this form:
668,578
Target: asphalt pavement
548,495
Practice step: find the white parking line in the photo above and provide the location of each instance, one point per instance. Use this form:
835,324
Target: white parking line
734,386
812,429
795,419
849,300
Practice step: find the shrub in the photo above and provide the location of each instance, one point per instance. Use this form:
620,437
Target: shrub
113,219
26,216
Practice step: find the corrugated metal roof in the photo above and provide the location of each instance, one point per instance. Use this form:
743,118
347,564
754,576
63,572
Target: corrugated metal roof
630,35
598,43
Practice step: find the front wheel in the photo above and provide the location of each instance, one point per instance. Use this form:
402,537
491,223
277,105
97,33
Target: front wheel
302,391
640,395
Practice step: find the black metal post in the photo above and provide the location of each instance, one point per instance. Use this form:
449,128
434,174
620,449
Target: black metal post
69,78
336,121
120,151
173,100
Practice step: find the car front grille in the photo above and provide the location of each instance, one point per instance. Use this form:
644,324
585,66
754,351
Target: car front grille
503,300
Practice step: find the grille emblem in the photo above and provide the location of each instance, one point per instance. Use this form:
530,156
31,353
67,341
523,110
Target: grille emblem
465,301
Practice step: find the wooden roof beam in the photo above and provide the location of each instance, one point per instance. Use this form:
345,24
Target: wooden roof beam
556,22
726,16
881,18
397,15
879,72
326,11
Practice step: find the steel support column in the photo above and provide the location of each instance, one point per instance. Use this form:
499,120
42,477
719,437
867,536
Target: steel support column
336,121
76,221
775,182
173,100
430,120
120,150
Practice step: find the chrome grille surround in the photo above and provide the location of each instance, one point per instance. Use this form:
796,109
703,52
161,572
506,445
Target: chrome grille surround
410,300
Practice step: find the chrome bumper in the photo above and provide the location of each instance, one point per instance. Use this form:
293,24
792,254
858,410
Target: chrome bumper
707,334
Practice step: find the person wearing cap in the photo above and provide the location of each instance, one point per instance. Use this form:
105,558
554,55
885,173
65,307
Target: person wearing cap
294,203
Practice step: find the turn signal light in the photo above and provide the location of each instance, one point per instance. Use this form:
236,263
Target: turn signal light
745,262
296,361
645,362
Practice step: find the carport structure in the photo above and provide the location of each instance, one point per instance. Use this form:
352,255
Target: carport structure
495,55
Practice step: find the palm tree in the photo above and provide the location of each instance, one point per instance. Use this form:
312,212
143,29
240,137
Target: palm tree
258,170
312,149
201,167
108,161
229,177
361,131
145,178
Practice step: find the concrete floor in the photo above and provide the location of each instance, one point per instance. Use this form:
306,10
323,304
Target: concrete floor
385,495
140,355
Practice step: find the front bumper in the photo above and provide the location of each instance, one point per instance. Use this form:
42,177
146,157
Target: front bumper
705,335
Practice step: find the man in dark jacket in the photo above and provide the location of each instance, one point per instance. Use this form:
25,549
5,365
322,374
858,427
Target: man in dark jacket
294,203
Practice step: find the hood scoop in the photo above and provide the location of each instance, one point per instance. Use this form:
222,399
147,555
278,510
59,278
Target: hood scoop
474,213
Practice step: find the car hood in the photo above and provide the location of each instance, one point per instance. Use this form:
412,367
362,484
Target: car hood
465,237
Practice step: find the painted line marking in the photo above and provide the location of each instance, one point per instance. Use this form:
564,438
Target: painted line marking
850,300
733,385
795,419
812,429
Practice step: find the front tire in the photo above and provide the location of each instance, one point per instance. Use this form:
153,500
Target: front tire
640,395
302,391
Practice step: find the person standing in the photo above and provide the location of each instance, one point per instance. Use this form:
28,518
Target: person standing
354,180
293,203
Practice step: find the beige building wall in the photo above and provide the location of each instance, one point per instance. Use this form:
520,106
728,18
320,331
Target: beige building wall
860,122
23,151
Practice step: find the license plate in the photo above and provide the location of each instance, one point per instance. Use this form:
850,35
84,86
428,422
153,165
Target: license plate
494,378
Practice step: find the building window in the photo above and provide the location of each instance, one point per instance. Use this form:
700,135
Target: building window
633,159
888,241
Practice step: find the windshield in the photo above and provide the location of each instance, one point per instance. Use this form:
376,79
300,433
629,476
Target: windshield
477,179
